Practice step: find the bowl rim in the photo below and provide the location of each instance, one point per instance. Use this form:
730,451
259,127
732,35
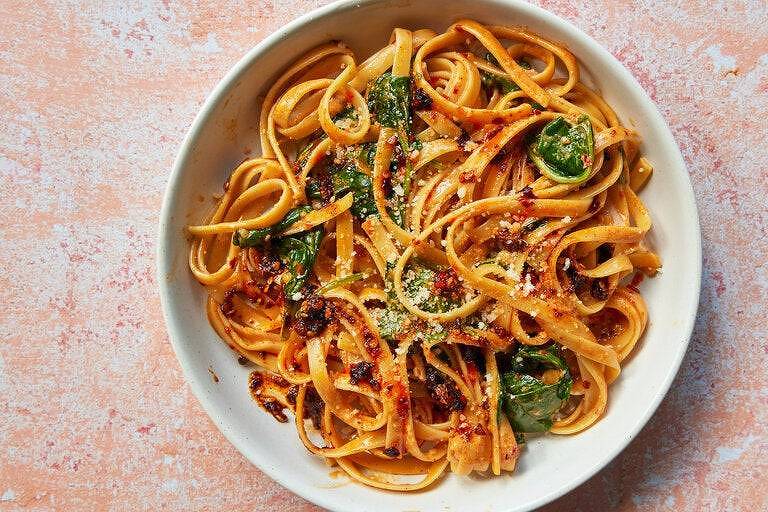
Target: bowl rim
219,93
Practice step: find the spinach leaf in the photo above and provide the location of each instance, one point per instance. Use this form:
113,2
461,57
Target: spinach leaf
340,179
368,153
313,190
250,238
531,359
491,80
340,281
521,62
528,401
254,237
348,178
397,209
564,152
299,252
390,99
505,85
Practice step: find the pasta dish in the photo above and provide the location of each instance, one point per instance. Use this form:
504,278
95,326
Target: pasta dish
436,254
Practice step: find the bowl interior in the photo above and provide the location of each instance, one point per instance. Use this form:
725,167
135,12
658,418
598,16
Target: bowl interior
225,132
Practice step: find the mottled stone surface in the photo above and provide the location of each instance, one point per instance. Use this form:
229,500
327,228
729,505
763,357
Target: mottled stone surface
94,412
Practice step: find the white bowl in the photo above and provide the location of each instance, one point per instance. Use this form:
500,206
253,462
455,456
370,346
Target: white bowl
550,466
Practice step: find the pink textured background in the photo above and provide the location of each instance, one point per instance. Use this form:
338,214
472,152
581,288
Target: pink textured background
94,412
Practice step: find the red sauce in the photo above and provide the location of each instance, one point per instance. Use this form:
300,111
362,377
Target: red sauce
526,197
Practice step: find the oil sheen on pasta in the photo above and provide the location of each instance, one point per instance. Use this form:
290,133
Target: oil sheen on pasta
436,254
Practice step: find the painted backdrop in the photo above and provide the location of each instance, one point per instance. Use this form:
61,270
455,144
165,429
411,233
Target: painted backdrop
94,101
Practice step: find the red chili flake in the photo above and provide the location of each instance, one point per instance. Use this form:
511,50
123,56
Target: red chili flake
468,176
275,408
526,197
371,344
444,391
361,372
256,380
292,394
447,284
314,406
314,314
421,100
391,452
464,429
510,241
492,133
463,138
228,306
268,265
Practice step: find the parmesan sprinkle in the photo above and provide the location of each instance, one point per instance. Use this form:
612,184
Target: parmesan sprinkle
567,264
461,192
442,187
528,287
